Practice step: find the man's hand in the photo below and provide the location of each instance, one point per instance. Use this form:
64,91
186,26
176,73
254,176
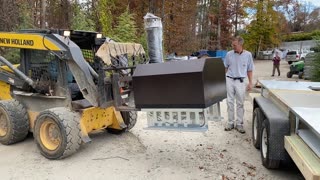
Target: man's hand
249,87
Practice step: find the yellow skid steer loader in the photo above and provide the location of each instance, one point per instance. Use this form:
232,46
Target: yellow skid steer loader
60,91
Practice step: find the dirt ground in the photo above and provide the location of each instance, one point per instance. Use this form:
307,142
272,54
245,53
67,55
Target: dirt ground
150,154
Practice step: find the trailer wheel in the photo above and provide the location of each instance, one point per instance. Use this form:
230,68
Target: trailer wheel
14,122
289,75
57,133
257,119
266,143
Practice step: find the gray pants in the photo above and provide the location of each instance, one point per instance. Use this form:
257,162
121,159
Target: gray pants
276,66
235,91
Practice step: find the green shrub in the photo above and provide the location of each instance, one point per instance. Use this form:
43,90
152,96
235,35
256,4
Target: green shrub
315,73
301,36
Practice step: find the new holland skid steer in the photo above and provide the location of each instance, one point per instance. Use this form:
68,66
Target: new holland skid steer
57,92
70,83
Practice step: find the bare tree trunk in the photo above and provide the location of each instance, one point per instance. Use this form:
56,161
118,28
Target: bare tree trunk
162,14
43,14
219,25
151,6
236,20
259,45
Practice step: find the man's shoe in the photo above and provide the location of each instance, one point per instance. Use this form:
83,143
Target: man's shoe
240,130
229,127
272,75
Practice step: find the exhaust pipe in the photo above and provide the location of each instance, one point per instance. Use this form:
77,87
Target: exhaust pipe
153,26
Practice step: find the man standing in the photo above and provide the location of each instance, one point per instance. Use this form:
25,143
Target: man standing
276,63
239,65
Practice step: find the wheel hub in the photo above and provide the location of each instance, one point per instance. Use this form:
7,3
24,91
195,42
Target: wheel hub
50,134
255,130
3,124
264,143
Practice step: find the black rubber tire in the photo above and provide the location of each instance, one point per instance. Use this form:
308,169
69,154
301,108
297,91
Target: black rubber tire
17,121
301,75
289,62
69,131
266,161
129,118
289,75
256,127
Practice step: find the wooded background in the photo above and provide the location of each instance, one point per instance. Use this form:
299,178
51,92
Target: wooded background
188,25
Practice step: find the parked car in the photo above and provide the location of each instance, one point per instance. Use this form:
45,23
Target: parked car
269,51
292,56
303,54
295,55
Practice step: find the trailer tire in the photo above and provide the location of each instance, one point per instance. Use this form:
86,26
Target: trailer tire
266,143
257,119
57,133
14,122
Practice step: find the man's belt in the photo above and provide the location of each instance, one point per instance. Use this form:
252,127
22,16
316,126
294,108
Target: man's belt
236,78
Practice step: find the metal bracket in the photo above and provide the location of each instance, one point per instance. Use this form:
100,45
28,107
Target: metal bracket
182,119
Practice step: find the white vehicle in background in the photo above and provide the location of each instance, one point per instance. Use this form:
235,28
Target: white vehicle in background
296,55
269,51
303,54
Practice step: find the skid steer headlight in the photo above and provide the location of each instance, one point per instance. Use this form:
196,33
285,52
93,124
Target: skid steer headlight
99,36
66,33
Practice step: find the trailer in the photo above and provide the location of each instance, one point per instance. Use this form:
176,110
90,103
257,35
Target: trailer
286,125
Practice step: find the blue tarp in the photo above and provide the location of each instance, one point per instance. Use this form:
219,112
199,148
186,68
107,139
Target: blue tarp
217,53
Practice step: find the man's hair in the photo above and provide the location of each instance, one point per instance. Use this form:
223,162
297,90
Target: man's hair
239,39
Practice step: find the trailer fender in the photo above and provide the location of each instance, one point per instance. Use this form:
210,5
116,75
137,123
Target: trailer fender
279,126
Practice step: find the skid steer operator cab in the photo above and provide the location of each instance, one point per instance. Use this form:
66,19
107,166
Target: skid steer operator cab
50,72
60,90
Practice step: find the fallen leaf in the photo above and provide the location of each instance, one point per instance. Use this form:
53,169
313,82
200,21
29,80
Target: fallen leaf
251,174
250,166
201,168
225,177
221,155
